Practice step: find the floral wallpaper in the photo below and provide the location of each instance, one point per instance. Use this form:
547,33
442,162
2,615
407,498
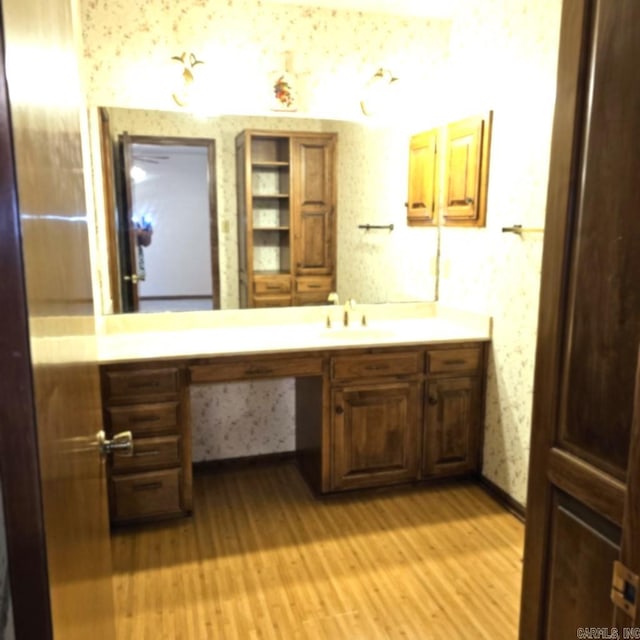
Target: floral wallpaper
492,54
246,45
241,419
507,54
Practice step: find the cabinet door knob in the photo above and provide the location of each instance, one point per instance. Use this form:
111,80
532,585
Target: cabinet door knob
339,410
433,400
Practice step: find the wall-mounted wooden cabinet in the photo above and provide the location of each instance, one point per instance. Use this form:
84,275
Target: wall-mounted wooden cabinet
286,217
453,161
422,203
467,171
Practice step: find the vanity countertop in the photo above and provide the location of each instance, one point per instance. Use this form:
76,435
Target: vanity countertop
161,336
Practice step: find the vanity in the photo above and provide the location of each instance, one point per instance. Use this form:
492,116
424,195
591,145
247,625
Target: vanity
396,401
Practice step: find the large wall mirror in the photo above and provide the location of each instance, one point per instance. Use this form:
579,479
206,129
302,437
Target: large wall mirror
181,153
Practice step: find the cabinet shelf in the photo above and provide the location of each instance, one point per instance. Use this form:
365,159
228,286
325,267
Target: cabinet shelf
268,164
268,229
272,272
270,196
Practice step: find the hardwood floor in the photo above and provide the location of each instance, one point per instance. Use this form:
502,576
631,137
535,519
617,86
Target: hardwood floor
263,558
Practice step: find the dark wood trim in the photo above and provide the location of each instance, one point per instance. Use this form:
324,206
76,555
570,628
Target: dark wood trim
108,193
566,150
591,486
214,466
503,498
630,548
19,468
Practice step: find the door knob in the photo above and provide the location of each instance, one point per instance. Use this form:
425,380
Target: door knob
135,278
122,441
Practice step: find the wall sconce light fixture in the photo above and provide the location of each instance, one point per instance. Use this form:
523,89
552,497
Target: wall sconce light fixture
182,94
377,91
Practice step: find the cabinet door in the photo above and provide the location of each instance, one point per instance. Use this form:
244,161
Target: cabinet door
423,179
375,434
452,430
467,171
314,204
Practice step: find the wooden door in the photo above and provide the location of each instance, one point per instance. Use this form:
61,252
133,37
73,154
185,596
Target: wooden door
131,269
630,551
589,327
375,434
314,205
452,426
422,202
467,171
108,194
52,473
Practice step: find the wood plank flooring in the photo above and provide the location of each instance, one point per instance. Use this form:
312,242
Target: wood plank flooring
263,558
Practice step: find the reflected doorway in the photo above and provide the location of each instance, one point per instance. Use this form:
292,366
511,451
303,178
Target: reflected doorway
167,224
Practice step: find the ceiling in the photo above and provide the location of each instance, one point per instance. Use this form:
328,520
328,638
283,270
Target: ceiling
422,8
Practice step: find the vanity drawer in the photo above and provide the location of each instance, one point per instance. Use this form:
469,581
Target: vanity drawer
256,368
454,360
376,365
145,495
144,419
123,385
314,284
271,301
149,453
271,285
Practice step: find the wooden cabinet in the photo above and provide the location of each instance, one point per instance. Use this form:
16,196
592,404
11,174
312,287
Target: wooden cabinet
453,411
155,480
286,217
422,202
466,171
452,426
365,417
375,419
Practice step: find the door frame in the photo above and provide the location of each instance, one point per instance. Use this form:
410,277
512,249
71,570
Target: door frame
128,254
19,465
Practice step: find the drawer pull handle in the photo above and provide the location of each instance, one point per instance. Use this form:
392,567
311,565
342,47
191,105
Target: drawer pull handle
314,286
147,486
144,454
274,287
145,385
255,371
458,361
433,400
141,419
376,367
339,410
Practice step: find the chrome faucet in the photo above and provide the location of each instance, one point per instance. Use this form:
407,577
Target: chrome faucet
349,305
332,297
